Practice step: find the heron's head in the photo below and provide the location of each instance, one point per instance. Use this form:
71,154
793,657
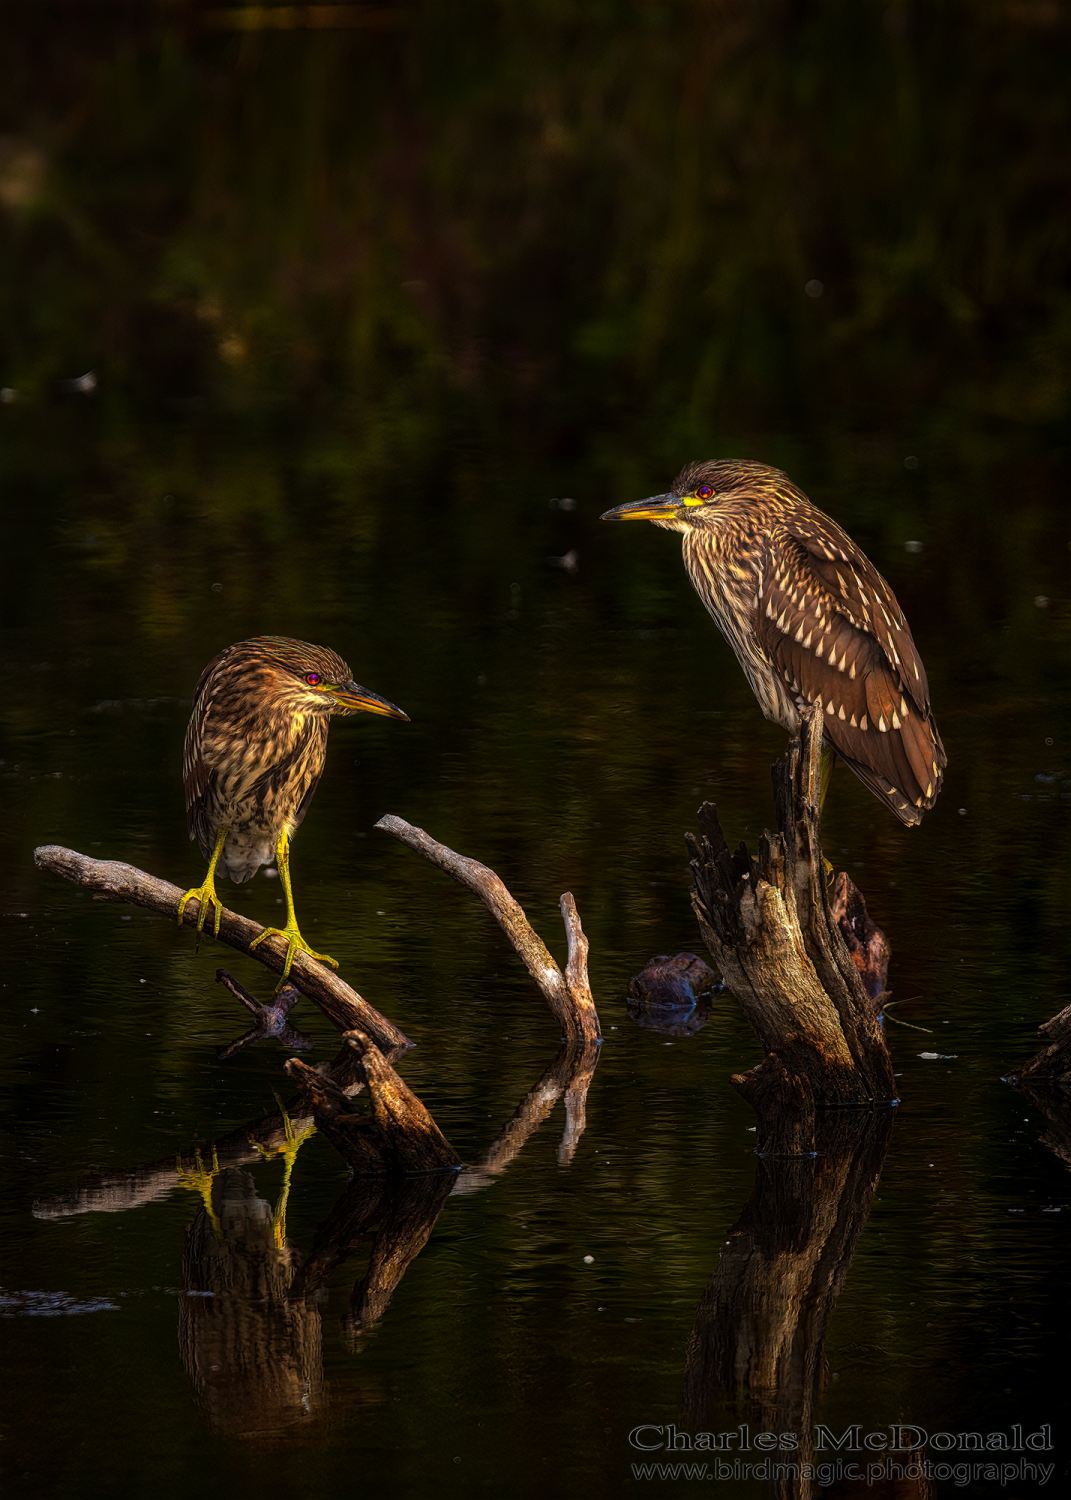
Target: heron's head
699,491
302,678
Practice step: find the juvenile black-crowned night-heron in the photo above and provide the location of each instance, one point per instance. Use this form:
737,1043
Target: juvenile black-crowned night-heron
811,621
255,749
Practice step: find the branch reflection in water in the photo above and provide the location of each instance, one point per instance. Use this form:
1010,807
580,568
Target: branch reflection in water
250,1327
754,1350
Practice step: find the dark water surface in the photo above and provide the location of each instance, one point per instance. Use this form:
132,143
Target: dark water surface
364,307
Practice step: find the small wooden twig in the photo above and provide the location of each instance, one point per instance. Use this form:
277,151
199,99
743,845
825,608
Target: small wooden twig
110,880
269,1020
569,994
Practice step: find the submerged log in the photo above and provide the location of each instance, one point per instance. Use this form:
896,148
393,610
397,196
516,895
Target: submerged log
398,1136
672,994
768,924
110,880
672,980
569,994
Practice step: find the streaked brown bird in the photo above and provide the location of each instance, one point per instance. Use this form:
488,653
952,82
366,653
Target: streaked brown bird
811,621
254,753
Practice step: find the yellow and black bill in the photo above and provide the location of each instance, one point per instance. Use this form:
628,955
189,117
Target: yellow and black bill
656,508
360,700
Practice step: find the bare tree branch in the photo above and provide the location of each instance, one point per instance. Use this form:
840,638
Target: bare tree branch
111,880
568,995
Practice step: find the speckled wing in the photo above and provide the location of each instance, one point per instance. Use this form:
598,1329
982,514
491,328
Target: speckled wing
831,627
196,774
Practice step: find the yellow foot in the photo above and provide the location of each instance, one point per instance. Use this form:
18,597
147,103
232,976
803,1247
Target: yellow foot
293,1142
206,895
295,943
200,1181
828,869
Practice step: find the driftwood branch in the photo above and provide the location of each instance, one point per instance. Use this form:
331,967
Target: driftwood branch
768,924
1052,1065
111,880
398,1136
569,994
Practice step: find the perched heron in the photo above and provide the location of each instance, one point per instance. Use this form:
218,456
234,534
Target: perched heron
255,749
811,620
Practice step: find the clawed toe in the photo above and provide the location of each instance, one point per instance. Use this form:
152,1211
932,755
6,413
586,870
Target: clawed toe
206,896
295,943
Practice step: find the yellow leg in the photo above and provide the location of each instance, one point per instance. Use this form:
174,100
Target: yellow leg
288,1152
200,1181
295,943
825,773
206,894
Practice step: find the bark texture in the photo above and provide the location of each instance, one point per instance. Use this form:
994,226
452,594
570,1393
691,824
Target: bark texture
397,1137
111,880
767,923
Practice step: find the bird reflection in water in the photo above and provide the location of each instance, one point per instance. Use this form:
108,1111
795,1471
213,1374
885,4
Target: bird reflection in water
250,1318
253,1354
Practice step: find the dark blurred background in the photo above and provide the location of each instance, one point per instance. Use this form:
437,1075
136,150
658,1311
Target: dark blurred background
346,322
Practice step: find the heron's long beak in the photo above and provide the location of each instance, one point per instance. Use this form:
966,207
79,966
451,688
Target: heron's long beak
657,508
357,698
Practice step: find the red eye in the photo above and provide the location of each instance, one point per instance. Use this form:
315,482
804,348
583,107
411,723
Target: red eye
704,491
312,678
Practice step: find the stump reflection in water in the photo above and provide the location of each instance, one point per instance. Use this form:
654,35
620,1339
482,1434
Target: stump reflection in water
254,1357
753,1354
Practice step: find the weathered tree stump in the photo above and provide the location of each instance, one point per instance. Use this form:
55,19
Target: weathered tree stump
399,1136
768,925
